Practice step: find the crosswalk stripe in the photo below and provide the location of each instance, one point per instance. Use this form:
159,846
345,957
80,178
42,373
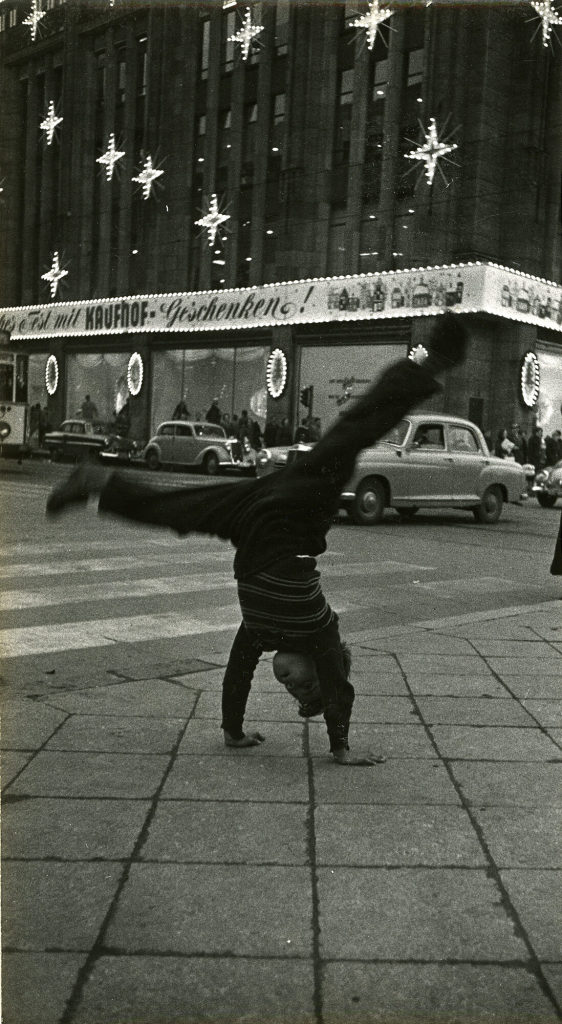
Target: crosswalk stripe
110,590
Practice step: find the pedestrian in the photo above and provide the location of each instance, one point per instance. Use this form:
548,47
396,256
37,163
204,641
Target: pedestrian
315,429
535,448
270,433
552,448
213,414
302,433
504,447
243,426
255,435
181,412
284,435
89,410
519,440
278,525
44,424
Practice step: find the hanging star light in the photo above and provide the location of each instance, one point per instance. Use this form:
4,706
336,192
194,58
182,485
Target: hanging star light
549,17
212,219
50,122
54,275
34,17
431,150
246,34
110,157
147,176
371,20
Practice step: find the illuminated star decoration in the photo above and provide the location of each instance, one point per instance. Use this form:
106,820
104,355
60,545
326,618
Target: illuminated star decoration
147,176
54,275
34,17
212,219
549,17
371,20
246,34
431,150
110,157
50,123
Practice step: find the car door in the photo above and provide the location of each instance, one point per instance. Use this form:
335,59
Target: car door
184,454
76,445
425,473
467,460
165,439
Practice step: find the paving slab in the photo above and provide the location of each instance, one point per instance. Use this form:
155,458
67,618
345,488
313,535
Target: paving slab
36,986
442,664
172,908
179,990
388,740
227,832
204,736
384,709
414,913
103,775
49,905
494,744
426,643
512,666
535,650
536,897
433,994
26,724
522,836
553,974
501,784
152,697
403,836
265,707
117,735
394,782
11,763
35,827
243,775
455,686
473,711
531,684
547,712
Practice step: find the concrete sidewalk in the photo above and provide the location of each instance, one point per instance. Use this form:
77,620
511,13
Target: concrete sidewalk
150,875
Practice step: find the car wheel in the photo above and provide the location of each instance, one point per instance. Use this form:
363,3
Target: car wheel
547,500
152,460
211,464
490,508
369,503
408,513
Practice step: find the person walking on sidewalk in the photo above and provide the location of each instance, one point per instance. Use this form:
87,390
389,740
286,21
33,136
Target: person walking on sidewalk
278,525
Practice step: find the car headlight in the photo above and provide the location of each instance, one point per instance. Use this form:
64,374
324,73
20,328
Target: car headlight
541,478
263,457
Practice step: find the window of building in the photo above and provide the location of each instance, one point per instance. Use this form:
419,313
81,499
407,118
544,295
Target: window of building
282,15
2,22
346,86
12,18
279,107
415,66
142,66
337,263
228,29
205,47
251,113
257,43
380,81
202,124
226,119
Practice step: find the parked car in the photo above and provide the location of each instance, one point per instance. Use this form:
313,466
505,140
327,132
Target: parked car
182,443
427,460
548,485
82,439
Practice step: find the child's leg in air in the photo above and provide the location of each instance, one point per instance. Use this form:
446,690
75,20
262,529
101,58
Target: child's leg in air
243,659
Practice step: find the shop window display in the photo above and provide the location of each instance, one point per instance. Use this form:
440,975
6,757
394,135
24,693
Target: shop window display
234,376
103,376
341,373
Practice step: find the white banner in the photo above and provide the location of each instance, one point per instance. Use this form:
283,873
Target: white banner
468,287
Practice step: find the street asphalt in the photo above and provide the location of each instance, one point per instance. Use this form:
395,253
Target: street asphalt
153,876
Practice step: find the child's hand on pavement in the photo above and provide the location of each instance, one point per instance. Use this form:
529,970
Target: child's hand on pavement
250,739
345,757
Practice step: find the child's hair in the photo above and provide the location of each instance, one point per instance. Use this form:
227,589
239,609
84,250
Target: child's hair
346,658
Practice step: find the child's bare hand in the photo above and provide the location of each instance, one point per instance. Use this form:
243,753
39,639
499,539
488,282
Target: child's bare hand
345,757
250,739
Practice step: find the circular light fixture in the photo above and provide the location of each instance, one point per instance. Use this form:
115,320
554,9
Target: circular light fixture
135,373
530,379
418,353
276,373
51,375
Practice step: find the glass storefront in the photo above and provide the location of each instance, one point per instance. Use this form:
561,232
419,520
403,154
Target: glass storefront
340,373
234,376
549,407
102,376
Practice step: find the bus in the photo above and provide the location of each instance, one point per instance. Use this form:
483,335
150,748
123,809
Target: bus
14,403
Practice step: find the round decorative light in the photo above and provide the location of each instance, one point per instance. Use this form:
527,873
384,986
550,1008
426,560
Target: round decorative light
418,353
530,379
51,375
276,373
135,373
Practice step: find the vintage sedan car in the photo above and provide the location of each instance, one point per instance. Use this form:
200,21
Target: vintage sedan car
78,439
547,487
183,443
426,461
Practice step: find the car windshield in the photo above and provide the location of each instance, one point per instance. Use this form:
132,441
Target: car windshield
397,434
